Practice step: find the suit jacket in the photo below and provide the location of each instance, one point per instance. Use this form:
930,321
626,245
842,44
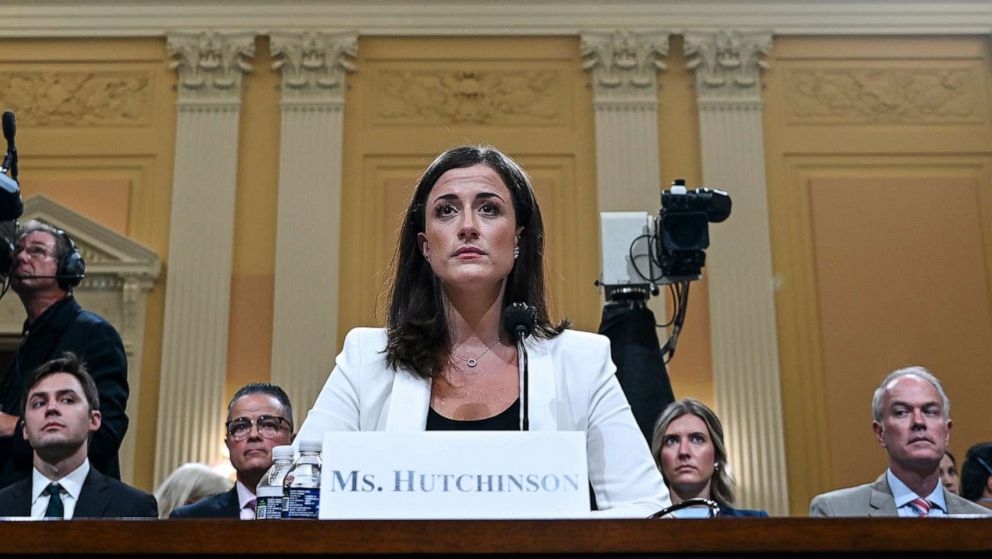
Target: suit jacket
224,505
572,388
875,499
66,327
100,497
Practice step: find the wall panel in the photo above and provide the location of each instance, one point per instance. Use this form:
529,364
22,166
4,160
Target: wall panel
879,156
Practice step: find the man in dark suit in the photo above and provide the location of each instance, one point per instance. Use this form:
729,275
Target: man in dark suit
61,412
47,266
259,418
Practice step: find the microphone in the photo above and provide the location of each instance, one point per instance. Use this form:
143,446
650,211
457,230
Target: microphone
519,320
11,206
9,131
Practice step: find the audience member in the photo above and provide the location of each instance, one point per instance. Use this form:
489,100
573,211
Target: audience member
259,417
688,447
46,267
189,484
912,422
976,475
61,413
949,473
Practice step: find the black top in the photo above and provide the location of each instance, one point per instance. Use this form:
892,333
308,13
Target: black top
506,420
225,505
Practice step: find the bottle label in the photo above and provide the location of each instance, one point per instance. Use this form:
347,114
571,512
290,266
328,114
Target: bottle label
268,508
302,502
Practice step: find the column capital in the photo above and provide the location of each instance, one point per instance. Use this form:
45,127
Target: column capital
314,64
624,64
728,63
210,64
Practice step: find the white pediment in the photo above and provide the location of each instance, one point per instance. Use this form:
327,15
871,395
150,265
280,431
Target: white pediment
105,251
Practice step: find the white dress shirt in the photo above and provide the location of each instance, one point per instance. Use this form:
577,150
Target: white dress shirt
246,501
903,496
71,484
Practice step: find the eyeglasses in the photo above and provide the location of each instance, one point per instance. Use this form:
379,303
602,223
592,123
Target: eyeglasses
37,252
268,426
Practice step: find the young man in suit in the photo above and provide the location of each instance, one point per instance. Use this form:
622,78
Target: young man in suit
61,412
912,423
259,418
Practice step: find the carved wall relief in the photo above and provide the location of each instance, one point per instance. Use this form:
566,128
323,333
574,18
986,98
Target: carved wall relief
42,98
469,96
883,95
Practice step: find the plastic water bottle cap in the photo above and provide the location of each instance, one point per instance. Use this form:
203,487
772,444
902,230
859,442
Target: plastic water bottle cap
311,446
282,452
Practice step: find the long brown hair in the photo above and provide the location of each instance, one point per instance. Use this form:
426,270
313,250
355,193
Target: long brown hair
419,336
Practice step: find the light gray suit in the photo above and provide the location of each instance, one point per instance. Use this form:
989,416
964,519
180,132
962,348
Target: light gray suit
875,499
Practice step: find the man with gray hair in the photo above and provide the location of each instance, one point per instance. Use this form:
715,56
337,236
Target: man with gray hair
912,422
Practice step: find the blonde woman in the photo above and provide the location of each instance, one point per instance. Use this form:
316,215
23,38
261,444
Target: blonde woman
688,447
188,484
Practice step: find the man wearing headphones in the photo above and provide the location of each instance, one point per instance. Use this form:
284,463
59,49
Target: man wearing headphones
47,266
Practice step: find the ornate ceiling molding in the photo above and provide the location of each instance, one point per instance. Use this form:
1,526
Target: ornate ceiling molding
130,18
728,63
625,64
314,64
210,64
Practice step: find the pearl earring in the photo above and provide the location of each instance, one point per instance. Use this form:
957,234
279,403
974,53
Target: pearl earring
516,252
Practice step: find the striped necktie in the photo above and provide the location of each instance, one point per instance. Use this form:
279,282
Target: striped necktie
922,506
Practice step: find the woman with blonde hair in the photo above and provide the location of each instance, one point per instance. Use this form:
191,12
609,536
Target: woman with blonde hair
688,447
188,484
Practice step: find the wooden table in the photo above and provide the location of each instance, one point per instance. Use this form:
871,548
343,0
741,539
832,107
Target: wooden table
735,537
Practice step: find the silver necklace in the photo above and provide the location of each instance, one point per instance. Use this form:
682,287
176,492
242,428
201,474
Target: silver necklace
472,363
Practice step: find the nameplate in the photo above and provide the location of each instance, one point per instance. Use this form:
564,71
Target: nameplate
433,475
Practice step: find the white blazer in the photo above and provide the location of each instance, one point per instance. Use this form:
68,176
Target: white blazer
573,387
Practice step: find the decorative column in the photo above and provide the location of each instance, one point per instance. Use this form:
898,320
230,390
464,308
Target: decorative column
308,236
198,285
742,305
624,66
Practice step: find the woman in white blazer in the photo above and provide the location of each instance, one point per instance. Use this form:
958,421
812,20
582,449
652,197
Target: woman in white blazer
472,243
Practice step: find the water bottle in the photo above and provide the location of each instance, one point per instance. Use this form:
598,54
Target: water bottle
268,495
301,498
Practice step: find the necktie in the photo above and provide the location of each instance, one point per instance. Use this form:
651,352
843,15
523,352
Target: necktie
922,506
55,508
248,512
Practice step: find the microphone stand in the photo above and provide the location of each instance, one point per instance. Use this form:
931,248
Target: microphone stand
524,379
710,504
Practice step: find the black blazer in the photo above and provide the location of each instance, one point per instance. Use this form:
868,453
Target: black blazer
100,497
66,327
225,505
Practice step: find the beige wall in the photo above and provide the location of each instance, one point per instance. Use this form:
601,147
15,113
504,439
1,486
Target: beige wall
879,161
250,336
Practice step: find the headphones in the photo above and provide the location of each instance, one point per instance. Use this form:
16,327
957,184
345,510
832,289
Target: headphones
72,267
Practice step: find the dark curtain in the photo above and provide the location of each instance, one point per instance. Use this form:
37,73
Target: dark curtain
630,326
